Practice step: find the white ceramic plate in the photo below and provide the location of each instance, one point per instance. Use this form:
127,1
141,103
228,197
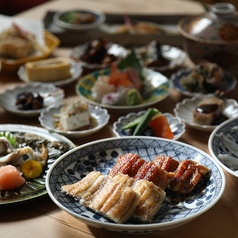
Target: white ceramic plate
174,55
177,127
34,188
102,155
113,49
61,19
184,110
76,70
101,115
228,80
8,98
159,83
223,146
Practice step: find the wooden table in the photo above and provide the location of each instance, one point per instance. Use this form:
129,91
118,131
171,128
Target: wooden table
42,218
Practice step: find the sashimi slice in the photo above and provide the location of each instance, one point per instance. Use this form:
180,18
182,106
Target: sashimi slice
10,178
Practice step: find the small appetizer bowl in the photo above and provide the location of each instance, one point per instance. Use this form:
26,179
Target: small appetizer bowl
184,110
79,19
50,93
229,83
101,155
100,118
177,127
223,147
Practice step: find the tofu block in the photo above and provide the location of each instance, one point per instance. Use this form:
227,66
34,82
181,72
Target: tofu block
54,69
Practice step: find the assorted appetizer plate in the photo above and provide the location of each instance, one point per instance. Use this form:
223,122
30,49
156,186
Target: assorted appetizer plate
34,188
159,83
177,127
76,70
223,145
79,19
184,110
228,80
116,50
49,92
99,114
102,155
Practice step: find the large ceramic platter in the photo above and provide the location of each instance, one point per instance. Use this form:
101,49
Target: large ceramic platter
223,145
34,188
160,84
102,155
76,70
184,110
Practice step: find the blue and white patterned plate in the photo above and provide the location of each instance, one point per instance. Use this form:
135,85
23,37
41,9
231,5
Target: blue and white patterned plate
177,127
228,80
223,145
102,155
159,90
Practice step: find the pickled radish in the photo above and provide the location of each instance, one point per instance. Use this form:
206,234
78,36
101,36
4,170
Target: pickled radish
10,178
161,127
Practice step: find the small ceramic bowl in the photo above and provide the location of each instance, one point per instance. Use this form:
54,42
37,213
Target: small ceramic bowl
223,145
79,19
177,127
184,110
99,114
212,36
51,94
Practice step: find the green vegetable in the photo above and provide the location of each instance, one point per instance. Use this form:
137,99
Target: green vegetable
133,97
133,123
9,137
141,126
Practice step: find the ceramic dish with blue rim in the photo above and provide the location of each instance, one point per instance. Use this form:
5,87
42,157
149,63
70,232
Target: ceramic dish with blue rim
184,110
50,93
177,127
28,135
76,70
159,89
102,155
223,146
229,83
79,19
100,118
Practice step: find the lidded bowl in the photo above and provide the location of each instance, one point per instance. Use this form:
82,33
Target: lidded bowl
212,36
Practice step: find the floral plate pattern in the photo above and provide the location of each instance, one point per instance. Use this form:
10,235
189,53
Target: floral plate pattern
102,155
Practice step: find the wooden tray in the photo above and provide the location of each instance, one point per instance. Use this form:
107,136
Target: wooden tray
73,38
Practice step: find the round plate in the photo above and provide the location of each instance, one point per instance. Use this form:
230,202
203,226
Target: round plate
102,155
184,110
229,83
59,19
177,127
222,145
161,89
113,49
36,187
8,98
76,70
101,115
174,55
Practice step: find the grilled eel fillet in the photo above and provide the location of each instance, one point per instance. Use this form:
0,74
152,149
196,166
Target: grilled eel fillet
117,198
